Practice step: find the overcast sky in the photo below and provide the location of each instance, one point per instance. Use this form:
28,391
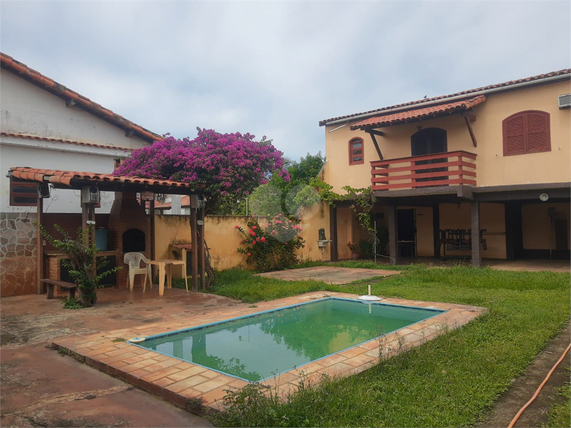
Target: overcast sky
277,68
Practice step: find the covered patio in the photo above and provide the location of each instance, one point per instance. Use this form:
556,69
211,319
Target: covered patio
131,229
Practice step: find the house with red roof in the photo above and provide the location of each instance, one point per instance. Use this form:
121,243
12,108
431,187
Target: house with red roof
483,173
48,126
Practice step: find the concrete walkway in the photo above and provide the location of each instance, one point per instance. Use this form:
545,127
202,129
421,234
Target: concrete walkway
41,387
328,274
339,275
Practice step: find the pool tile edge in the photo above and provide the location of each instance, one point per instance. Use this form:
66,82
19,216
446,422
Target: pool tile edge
133,364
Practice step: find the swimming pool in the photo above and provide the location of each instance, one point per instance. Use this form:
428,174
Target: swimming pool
262,345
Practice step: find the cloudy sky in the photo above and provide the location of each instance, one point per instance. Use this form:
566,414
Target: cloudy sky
277,68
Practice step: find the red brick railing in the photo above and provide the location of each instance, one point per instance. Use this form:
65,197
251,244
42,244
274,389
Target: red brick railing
442,169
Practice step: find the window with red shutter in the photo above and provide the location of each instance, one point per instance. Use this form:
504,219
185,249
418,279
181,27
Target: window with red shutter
526,132
356,151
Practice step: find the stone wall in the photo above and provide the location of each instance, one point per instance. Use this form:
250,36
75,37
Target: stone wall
18,254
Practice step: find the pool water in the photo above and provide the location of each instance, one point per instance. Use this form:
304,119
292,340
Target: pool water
263,345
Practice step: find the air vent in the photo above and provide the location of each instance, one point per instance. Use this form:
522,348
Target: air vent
565,101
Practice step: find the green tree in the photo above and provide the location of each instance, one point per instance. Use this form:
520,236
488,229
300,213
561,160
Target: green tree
281,196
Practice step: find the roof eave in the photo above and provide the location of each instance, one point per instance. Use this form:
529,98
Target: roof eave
565,75
73,98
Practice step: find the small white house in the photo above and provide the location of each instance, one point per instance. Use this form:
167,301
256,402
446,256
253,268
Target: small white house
46,125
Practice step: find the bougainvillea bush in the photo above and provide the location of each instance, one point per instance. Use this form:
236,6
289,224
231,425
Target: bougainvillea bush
274,247
218,164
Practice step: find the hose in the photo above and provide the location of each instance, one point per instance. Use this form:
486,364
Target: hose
516,417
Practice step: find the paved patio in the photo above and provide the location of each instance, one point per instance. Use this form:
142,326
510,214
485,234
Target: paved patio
43,388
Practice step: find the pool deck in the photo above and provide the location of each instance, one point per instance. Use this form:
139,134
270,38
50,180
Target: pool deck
185,384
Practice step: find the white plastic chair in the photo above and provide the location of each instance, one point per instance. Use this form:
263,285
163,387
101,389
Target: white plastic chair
134,261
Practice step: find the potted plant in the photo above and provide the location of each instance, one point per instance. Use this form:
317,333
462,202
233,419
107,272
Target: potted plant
354,250
81,263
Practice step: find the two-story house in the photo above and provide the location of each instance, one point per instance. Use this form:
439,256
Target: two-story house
49,126
483,173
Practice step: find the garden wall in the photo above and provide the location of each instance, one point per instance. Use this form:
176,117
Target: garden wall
18,246
223,239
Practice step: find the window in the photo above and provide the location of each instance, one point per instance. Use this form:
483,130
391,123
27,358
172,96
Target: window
356,151
526,132
23,193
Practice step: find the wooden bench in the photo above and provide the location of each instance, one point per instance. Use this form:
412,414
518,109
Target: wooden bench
63,284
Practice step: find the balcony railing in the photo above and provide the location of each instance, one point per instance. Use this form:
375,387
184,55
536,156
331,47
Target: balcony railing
442,169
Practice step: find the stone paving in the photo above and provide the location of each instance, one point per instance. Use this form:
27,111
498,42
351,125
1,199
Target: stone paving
328,274
185,384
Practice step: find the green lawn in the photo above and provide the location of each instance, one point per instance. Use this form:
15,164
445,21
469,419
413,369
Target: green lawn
450,381
560,415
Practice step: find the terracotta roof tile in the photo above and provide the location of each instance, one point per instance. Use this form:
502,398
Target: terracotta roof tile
565,73
66,177
57,140
418,113
33,76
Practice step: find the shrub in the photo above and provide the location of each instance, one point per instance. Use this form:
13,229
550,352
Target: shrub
272,248
81,264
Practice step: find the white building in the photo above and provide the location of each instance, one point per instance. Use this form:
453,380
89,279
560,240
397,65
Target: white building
46,125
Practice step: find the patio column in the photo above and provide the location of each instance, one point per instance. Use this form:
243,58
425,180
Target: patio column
152,216
513,224
393,238
88,214
475,225
194,251
436,229
201,250
40,246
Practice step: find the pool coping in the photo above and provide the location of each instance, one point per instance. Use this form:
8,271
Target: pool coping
191,386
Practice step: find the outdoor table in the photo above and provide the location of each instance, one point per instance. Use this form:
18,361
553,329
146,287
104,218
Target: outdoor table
165,266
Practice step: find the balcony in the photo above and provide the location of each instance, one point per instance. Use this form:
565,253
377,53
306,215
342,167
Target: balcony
442,169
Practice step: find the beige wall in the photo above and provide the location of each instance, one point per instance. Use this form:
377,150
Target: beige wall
221,236
457,216
538,231
313,219
493,168
424,234
346,224
223,239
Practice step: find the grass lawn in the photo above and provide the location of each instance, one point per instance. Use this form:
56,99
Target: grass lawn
560,415
450,381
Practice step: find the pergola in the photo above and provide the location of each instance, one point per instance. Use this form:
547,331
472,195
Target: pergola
46,178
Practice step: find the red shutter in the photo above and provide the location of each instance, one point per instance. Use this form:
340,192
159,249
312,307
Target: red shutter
526,132
514,135
538,132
